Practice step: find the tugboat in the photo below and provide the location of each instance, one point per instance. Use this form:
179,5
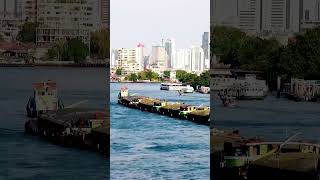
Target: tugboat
124,92
44,99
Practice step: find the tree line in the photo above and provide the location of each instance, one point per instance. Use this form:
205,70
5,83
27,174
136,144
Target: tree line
183,77
73,49
300,58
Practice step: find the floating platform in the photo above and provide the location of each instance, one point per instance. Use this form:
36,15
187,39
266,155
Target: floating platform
197,114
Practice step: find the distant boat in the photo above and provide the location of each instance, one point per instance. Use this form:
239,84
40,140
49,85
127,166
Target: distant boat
187,89
177,87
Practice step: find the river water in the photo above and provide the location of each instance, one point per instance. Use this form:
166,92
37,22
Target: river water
270,119
27,157
150,146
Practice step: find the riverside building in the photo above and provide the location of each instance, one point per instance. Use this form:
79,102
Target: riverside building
65,19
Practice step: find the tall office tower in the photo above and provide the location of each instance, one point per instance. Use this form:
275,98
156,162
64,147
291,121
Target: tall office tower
205,45
114,57
158,58
104,13
224,12
170,47
197,59
274,15
249,13
183,60
61,20
140,55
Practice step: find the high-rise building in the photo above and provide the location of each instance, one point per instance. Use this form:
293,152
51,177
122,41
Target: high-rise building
264,17
140,55
158,58
170,48
197,59
205,45
105,13
113,59
183,60
61,20
249,15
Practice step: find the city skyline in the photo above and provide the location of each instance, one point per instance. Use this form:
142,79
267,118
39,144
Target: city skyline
163,56
162,19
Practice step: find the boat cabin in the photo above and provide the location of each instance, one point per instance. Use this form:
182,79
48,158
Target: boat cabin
124,92
45,96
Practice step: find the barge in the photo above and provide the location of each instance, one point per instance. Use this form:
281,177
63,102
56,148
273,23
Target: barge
197,114
70,126
235,157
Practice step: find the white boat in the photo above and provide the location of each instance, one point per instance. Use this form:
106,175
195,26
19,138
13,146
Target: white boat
171,86
177,87
187,89
246,88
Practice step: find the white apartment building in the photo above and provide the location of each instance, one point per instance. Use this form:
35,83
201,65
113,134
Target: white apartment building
183,60
197,59
63,19
128,60
140,55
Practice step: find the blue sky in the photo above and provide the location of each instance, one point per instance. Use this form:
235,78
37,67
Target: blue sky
148,21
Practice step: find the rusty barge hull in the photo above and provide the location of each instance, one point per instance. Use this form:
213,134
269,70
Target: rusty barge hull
61,128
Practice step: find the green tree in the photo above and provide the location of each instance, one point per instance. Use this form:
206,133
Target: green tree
133,77
204,79
150,75
27,32
225,42
166,73
100,43
78,51
119,72
180,75
71,50
142,75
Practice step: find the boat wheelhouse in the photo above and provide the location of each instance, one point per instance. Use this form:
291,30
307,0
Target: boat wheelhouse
44,99
185,110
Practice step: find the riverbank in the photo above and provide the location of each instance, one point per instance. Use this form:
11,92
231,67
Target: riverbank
53,65
124,82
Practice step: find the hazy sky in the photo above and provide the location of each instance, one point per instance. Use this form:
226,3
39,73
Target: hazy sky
148,21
